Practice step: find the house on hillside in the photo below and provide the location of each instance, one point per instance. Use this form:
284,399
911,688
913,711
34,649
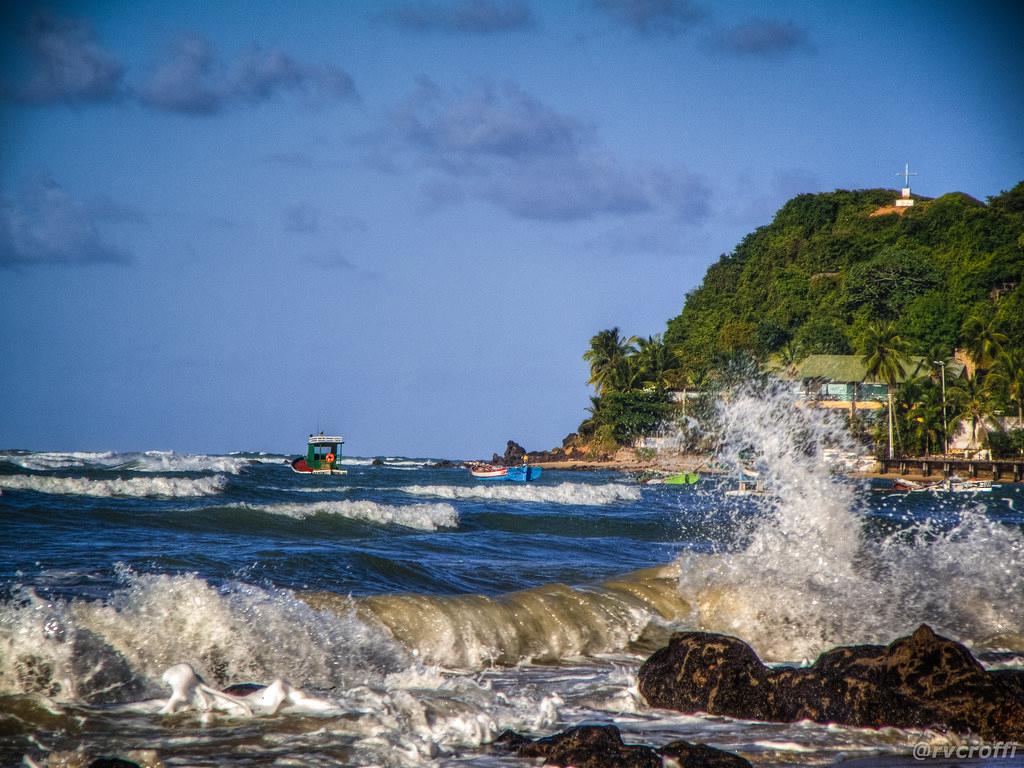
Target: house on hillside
840,381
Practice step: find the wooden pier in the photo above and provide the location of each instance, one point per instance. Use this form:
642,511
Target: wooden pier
990,469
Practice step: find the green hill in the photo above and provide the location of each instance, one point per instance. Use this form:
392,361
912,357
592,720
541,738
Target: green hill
825,268
841,272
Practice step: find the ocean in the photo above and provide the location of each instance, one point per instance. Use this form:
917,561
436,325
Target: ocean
414,612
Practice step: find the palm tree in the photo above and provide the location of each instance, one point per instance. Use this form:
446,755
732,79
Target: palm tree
1009,376
656,361
790,355
974,399
982,340
608,356
919,407
885,354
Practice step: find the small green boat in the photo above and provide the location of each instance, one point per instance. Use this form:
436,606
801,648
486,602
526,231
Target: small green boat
682,478
322,455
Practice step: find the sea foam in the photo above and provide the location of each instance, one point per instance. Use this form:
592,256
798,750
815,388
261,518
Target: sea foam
807,574
426,517
131,487
117,649
584,494
147,461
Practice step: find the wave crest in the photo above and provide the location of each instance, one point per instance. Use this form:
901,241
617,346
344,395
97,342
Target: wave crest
116,649
425,517
548,623
129,487
146,461
583,494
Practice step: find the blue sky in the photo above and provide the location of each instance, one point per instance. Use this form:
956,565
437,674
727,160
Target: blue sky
225,224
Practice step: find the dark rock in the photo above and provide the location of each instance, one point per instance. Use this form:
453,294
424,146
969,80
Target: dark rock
920,681
377,462
537,457
703,672
243,689
689,755
446,464
510,740
1012,678
601,746
586,746
513,456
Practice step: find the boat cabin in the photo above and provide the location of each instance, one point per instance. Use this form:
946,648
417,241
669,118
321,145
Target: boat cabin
322,455
323,451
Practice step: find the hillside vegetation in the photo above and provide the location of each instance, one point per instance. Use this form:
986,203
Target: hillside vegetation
826,276
825,269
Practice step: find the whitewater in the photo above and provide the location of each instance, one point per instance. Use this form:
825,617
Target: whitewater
404,614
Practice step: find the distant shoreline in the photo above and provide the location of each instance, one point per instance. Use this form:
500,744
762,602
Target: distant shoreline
698,463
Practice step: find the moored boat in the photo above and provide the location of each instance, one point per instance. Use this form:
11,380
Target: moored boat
912,486
954,484
682,478
523,473
483,471
322,455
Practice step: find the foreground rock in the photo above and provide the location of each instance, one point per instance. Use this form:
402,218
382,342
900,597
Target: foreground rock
601,746
920,681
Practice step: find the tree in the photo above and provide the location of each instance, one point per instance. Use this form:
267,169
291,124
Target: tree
919,410
885,354
632,413
974,400
790,355
1008,374
983,340
656,361
608,356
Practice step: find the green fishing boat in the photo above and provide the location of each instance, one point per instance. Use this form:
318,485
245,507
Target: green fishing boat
323,452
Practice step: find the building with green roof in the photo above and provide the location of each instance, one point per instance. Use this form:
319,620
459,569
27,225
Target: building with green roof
841,381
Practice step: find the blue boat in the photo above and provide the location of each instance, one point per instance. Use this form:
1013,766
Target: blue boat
523,473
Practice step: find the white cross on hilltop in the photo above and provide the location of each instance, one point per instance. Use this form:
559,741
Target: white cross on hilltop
906,173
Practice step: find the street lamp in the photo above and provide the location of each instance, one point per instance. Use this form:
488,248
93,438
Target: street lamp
945,428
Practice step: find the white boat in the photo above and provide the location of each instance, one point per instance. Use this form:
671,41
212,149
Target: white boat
954,484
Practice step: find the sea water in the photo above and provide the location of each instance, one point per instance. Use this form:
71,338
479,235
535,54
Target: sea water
413,613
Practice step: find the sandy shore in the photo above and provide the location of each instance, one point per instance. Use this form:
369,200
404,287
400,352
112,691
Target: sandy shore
628,462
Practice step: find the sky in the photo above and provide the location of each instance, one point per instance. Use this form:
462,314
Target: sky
226,225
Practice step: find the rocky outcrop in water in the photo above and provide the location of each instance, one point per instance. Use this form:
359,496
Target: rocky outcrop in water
513,455
445,464
601,746
920,681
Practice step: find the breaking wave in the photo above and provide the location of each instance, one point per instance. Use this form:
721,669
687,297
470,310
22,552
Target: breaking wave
584,494
147,461
425,517
383,702
116,650
545,624
808,573
128,487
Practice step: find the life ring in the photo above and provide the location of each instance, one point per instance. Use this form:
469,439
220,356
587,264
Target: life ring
329,458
